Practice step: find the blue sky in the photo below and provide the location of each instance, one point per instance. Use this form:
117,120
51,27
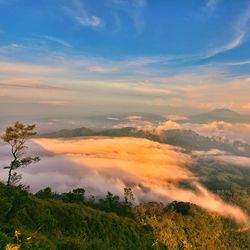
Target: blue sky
115,55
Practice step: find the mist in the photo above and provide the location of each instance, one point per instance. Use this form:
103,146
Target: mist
102,164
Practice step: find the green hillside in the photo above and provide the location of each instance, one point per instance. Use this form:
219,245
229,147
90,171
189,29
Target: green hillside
56,221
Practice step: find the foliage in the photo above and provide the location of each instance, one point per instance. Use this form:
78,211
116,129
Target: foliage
16,137
52,221
62,224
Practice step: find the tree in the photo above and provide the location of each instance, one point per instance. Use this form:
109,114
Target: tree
16,136
128,195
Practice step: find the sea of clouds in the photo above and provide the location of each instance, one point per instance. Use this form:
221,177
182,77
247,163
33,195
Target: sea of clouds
102,164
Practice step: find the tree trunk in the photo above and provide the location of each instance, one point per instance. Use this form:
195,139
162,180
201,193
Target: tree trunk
13,151
8,183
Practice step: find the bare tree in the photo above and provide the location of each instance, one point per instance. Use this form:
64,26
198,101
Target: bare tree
16,136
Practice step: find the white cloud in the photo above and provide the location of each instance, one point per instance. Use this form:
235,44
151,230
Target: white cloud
57,40
79,13
237,63
91,21
102,164
239,37
134,10
239,32
12,47
134,3
211,5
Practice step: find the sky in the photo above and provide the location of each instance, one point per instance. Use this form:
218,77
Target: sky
90,57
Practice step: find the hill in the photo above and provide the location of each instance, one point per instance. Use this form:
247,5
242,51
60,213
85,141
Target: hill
64,133
53,222
225,115
186,139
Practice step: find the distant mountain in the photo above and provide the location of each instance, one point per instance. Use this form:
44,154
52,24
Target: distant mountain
128,132
225,115
64,133
186,139
191,140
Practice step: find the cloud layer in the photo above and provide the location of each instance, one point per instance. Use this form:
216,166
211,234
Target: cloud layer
109,164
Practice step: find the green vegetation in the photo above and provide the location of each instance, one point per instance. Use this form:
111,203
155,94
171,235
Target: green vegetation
72,221
54,224
229,181
16,137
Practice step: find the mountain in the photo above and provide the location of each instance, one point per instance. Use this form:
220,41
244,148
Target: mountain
191,140
64,133
186,139
225,115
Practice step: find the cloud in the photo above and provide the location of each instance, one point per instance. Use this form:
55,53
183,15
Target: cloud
13,47
246,106
160,127
176,117
56,40
237,40
239,31
135,3
80,14
109,164
92,21
237,63
211,6
217,125
224,157
25,83
134,10
27,68
141,82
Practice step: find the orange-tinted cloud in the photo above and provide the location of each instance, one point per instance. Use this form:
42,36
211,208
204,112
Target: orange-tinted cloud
153,169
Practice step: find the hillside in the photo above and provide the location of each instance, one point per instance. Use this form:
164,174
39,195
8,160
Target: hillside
186,139
69,133
53,223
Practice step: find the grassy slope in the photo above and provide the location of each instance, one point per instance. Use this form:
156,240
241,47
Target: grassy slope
54,224
61,225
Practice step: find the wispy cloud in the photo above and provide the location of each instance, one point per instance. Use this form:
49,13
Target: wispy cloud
136,3
211,6
27,68
134,10
229,46
91,21
80,14
9,48
239,31
25,83
56,40
238,63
